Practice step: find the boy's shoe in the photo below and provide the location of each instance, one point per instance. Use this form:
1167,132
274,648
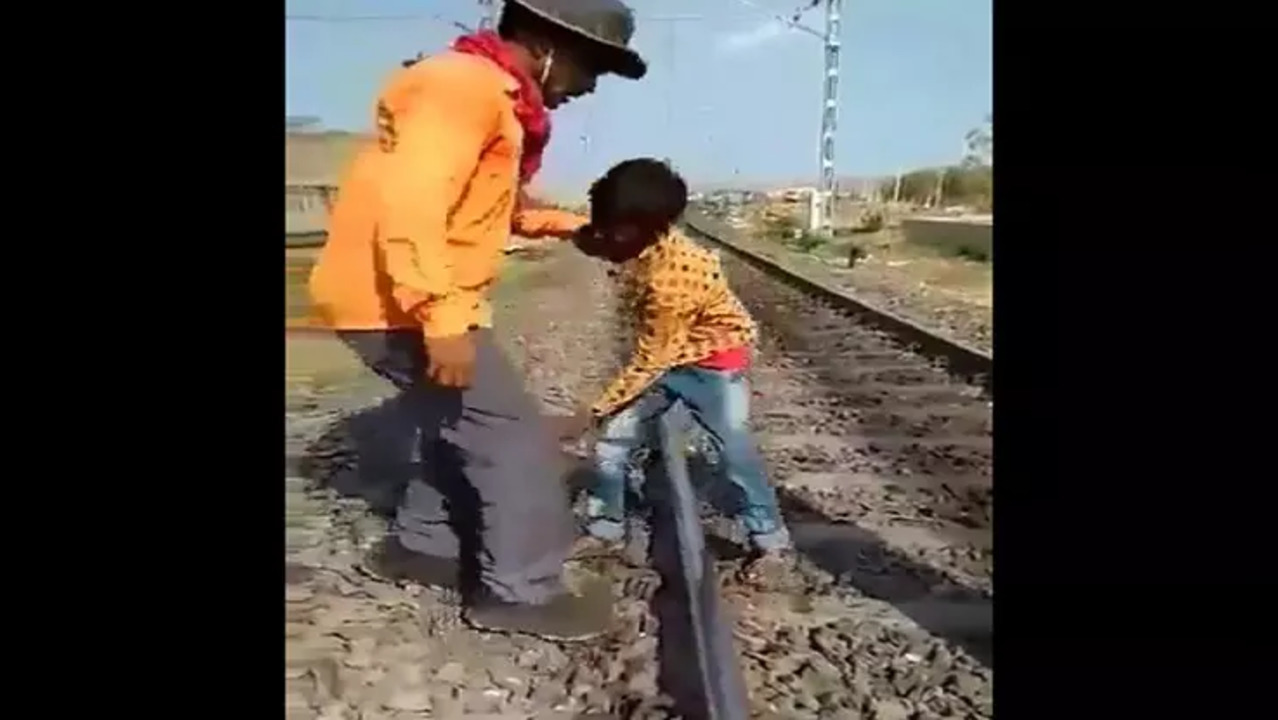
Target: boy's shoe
772,571
567,617
393,562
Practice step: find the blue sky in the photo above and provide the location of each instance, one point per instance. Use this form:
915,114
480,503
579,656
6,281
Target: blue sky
729,95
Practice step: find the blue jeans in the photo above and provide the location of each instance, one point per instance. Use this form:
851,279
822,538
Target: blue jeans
719,402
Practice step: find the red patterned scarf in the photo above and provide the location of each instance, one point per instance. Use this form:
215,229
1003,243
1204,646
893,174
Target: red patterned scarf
530,108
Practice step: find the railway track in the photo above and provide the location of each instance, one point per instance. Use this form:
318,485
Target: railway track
878,436
961,359
880,454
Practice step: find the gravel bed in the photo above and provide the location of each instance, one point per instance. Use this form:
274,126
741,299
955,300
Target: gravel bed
965,321
886,626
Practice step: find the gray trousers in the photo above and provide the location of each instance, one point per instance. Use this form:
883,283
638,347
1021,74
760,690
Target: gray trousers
491,489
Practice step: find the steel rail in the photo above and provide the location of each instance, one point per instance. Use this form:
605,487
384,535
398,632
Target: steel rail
305,239
962,359
697,658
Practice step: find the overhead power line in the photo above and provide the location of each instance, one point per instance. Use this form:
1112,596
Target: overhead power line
792,20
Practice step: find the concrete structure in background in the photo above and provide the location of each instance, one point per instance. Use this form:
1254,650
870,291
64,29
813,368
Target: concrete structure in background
971,236
791,194
319,158
313,164
301,122
305,212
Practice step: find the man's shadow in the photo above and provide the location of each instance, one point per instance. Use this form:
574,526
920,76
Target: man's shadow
370,455
373,454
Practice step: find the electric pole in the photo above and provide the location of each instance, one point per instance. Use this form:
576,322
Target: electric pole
489,18
822,216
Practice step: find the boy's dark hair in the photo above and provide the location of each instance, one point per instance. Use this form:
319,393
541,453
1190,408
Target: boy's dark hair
642,190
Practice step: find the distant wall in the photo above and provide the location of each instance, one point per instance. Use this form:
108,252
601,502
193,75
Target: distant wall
319,158
952,235
313,158
305,213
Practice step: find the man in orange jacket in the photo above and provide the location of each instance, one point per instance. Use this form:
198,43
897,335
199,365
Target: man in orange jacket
415,242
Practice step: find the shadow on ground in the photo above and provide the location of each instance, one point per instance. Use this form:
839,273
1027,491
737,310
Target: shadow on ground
858,558
370,455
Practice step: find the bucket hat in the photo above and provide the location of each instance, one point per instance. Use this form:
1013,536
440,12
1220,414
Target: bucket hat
607,24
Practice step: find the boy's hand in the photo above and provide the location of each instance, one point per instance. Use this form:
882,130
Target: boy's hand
451,360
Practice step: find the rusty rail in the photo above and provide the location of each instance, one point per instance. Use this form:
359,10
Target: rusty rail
962,359
698,662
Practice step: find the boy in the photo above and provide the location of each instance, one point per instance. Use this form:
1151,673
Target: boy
692,346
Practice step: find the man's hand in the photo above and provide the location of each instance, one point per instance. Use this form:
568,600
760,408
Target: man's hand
451,360
529,251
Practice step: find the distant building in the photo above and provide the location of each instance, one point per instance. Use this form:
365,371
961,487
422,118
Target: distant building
731,197
300,123
791,194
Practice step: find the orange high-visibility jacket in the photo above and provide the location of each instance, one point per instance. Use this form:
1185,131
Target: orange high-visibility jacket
416,235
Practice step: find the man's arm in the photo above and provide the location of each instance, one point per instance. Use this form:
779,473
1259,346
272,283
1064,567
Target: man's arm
544,222
547,222
666,317
430,152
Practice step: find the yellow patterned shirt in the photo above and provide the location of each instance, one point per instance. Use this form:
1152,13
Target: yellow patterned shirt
684,312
